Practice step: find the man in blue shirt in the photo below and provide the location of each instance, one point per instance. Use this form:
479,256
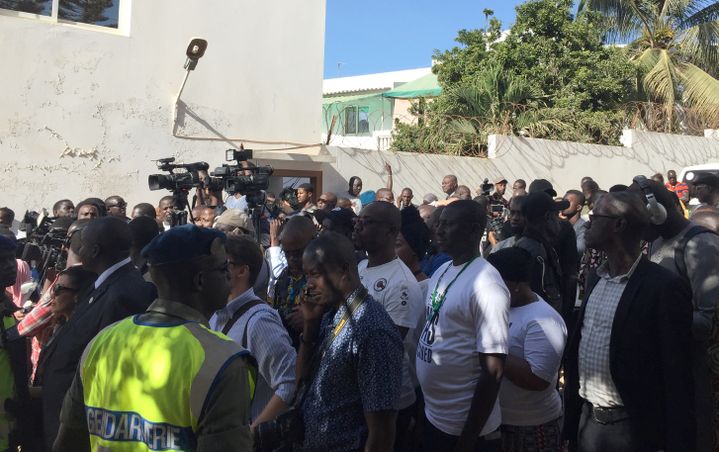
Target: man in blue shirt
350,358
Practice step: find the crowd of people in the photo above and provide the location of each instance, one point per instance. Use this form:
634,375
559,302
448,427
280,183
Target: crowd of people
499,320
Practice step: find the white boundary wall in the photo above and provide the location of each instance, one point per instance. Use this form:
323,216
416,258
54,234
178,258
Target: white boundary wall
563,163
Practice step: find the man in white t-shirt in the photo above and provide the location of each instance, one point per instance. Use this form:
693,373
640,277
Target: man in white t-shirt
393,285
463,345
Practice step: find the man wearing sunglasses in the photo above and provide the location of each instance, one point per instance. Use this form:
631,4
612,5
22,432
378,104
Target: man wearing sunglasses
163,374
327,201
116,207
118,292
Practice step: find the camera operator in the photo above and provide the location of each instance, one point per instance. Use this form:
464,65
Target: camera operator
165,211
87,209
500,188
497,222
238,200
63,208
350,356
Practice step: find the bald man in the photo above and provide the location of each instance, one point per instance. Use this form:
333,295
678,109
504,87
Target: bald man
392,284
327,201
385,195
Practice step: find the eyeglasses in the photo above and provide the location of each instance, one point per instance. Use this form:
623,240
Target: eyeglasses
59,288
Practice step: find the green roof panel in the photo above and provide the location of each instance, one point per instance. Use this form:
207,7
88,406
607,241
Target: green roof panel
426,86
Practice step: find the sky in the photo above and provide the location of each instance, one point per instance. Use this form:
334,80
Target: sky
363,37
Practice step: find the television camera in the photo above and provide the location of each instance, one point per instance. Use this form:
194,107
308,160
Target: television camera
44,244
181,178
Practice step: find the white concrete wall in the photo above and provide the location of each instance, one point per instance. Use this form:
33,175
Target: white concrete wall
82,112
562,163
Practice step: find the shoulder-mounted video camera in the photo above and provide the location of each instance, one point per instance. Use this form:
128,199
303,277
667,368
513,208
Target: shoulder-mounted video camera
242,177
185,179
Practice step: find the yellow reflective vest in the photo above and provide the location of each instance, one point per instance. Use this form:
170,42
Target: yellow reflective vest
7,387
144,385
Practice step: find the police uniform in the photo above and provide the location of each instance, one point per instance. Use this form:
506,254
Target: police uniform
163,380
7,376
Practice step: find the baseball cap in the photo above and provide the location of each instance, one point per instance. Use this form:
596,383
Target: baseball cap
340,217
706,179
537,204
501,181
542,185
182,243
237,218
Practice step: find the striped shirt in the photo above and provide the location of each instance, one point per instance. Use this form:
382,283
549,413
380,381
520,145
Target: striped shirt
268,342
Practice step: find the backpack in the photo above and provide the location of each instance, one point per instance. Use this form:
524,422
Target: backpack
680,249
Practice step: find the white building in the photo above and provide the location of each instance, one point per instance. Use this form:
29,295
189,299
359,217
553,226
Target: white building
360,111
85,108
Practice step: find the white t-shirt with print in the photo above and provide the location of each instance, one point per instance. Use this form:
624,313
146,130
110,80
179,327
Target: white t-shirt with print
538,335
394,287
472,320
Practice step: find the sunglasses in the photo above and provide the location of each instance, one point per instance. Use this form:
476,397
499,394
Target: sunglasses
59,288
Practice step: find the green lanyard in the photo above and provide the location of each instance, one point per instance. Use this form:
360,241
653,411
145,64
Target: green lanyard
437,304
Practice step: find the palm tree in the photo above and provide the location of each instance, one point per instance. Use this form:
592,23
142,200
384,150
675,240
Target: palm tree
495,102
675,44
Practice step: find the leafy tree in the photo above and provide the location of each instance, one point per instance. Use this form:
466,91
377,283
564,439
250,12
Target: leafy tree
674,44
550,77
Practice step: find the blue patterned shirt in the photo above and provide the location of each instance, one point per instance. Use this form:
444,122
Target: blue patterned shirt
361,371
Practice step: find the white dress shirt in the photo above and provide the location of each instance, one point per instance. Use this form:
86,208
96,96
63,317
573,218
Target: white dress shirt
106,274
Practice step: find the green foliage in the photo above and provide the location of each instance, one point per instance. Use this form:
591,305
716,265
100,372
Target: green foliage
673,43
550,77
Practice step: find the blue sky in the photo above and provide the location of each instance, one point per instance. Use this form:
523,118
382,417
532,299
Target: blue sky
387,35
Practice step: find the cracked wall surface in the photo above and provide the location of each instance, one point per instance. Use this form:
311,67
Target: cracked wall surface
84,113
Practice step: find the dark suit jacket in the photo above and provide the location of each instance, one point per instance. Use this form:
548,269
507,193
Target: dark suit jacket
649,358
123,294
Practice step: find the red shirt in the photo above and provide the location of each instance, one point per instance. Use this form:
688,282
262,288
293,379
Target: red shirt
680,189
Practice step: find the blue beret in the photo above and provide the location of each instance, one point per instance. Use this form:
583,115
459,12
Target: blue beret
7,243
367,197
181,243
